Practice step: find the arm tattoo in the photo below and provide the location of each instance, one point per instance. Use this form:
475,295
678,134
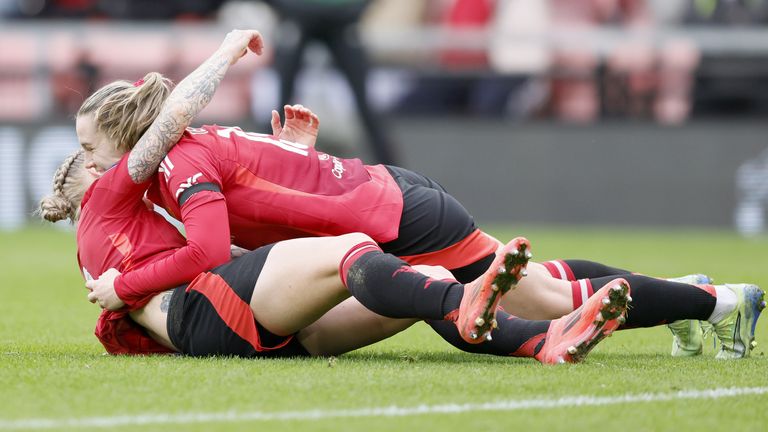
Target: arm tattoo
183,104
165,302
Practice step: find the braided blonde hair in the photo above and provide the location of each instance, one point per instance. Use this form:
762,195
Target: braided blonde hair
123,111
68,190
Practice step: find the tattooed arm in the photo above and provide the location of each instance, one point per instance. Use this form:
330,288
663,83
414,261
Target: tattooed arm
154,318
189,97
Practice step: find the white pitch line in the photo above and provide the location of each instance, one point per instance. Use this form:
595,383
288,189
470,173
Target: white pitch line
390,411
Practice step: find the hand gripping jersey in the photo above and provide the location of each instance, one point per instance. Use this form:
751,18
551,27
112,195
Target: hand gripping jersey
277,190
117,229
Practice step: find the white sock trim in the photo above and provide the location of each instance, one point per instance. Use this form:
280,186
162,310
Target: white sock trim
560,269
584,290
726,302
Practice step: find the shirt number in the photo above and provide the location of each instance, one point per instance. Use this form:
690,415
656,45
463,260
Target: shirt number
292,147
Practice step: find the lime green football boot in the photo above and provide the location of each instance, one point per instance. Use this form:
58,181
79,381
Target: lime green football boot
737,330
687,338
688,335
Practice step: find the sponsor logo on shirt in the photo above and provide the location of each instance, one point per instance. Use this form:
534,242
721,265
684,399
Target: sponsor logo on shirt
196,131
338,168
187,184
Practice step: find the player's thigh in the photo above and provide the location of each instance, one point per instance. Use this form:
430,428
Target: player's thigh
300,281
347,327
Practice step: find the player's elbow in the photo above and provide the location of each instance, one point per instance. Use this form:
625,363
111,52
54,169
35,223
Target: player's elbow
178,112
206,257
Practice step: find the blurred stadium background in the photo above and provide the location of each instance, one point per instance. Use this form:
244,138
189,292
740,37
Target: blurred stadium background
620,112
600,115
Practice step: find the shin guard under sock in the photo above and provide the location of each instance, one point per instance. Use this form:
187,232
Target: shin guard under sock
390,287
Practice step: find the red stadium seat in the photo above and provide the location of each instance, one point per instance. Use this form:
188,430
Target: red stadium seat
128,55
62,51
20,99
230,105
20,53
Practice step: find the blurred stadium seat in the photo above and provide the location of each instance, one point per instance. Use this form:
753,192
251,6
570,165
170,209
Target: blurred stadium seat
20,77
20,53
20,99
128,55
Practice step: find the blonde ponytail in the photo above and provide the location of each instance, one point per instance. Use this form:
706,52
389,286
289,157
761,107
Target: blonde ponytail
123,111
68,190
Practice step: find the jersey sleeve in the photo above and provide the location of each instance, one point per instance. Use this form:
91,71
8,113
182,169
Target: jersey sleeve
116,194
208,245
190,169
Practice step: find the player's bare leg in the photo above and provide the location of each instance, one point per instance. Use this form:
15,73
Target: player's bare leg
539,296
347,327
300,282
287,299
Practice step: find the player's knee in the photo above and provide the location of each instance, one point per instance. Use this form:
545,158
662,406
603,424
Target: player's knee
353,239
435,272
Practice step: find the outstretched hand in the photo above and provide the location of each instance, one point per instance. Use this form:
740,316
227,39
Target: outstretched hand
301,125
102,291
237,43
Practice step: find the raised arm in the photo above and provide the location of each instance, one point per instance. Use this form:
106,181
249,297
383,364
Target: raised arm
189,97
301,125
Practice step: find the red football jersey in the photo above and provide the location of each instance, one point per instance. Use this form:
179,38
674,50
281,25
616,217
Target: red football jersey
276,189
116,229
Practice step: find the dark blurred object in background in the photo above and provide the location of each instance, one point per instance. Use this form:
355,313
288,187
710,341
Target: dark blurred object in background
727,12
730,84
332,23
116,9
72,83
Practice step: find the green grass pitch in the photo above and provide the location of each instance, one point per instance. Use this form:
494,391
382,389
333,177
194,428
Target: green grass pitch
52,369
